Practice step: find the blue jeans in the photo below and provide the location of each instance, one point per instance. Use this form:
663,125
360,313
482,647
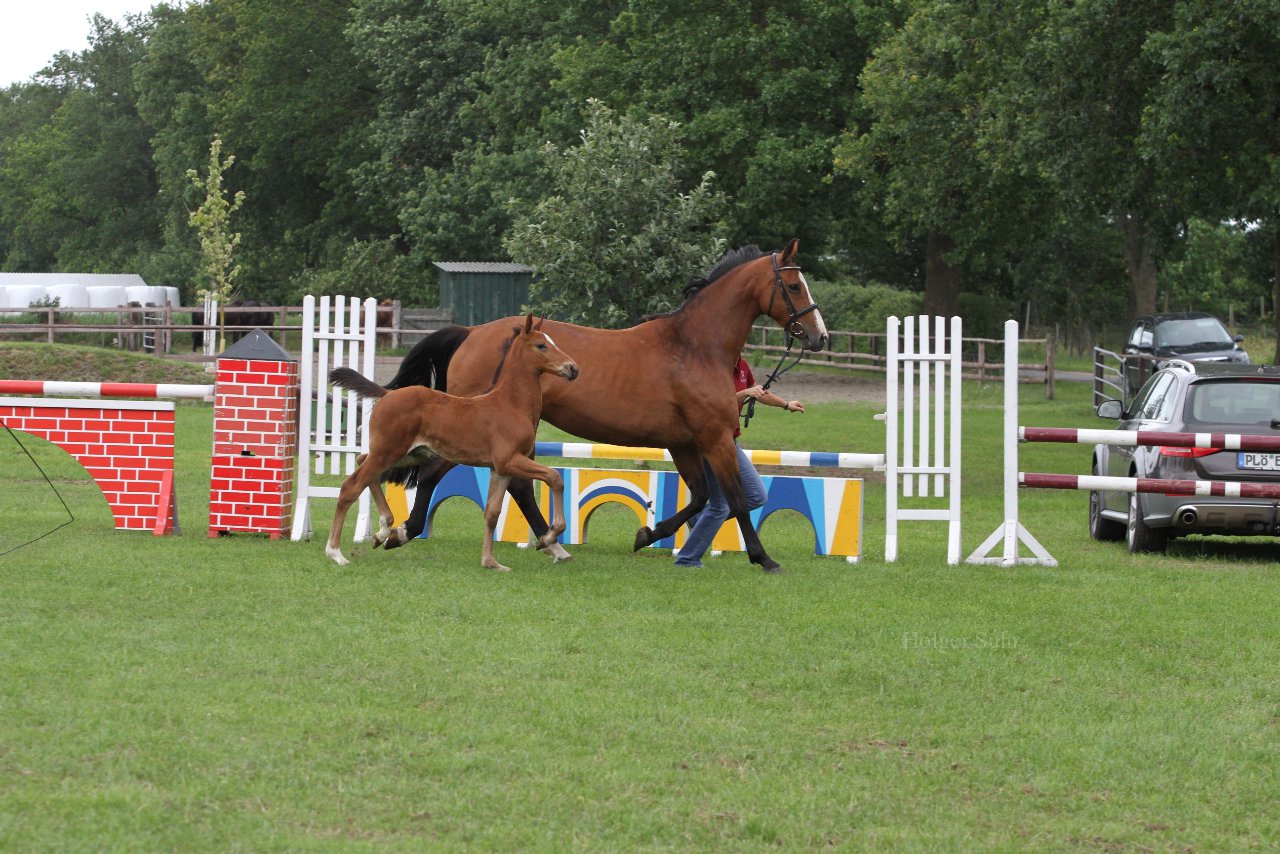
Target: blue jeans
706,523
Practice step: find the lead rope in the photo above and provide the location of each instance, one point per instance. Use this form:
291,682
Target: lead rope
778,371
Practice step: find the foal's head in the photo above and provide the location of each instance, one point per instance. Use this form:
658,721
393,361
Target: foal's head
541,352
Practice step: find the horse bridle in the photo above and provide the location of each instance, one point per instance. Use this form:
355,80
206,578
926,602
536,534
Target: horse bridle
793,326
780,287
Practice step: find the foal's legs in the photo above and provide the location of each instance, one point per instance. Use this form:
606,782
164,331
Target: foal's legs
521,490
357,482
492,509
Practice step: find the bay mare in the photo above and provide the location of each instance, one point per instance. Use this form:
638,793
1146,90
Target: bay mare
666,383
495,430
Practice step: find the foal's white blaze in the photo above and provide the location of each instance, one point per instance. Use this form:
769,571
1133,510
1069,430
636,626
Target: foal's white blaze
550,341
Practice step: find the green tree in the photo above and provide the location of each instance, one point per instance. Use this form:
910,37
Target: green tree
76,178
1211,129
935,157
212,221
620,235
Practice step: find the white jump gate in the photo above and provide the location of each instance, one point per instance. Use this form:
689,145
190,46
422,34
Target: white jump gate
1011,534
330,440
922,427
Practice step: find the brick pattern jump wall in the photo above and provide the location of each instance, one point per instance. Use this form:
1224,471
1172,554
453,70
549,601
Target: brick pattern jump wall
255,437
126,446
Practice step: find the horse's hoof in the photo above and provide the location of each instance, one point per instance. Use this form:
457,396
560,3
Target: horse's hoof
337,557
644,536
496,567
558,554
394,543
773,569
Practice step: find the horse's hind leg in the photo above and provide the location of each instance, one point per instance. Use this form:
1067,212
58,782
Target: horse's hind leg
385,534
689,466
492,509
521,490
429,476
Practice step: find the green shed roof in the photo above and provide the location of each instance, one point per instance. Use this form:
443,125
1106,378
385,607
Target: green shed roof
481,267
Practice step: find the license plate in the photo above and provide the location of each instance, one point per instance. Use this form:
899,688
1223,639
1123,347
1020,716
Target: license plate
1258,461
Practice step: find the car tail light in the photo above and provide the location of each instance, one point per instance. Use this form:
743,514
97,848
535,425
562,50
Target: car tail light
1166,451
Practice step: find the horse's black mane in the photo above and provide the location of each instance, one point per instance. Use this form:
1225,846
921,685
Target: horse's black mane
732,258
502,357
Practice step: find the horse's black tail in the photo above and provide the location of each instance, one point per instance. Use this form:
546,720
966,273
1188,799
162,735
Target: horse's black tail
357,382
428,362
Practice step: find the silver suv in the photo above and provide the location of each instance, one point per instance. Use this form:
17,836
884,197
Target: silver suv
1190,398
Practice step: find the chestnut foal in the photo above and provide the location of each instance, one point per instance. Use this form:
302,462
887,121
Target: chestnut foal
496,430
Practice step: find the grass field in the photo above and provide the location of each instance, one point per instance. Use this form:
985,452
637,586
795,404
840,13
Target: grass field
191,694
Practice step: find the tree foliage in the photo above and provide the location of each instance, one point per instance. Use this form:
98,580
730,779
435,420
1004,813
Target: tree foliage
1041,155
212,221
619,236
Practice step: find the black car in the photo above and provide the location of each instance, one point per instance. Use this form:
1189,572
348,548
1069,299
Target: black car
1192,335
1187,397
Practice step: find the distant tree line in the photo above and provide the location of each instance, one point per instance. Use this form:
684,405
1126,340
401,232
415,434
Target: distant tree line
1089,160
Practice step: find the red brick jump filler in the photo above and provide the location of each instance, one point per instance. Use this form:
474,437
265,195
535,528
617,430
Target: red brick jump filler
125,445
255,439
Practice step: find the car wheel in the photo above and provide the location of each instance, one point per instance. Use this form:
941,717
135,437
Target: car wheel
1139,536
1100,527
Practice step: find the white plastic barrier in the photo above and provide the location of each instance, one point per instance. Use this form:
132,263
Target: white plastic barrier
68,295
107,296
21,296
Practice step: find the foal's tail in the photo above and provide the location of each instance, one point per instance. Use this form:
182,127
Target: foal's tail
428,362
357,382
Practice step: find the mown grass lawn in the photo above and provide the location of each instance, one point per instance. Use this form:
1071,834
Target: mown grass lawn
184,693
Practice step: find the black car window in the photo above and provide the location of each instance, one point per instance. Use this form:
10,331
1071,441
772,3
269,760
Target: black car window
1150,396
1155,401
1247,403
1193,332
1144,335
1135,334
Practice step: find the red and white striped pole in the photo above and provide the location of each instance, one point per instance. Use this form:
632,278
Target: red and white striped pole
1104,483
1151,438
51,388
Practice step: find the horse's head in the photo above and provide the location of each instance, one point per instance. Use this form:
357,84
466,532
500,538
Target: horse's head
790,303
543,352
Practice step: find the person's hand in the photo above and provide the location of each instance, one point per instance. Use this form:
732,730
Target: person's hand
794,406
755,391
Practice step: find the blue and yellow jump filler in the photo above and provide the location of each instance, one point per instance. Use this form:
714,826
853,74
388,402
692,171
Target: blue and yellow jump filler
832,505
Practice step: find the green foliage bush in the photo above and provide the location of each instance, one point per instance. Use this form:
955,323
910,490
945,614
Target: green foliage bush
852,307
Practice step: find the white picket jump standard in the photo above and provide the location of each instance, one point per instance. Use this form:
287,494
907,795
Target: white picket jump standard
339,431
1011,532
925,439
210,325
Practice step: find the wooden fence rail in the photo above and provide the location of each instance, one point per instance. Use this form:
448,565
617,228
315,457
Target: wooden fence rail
983,358
151,329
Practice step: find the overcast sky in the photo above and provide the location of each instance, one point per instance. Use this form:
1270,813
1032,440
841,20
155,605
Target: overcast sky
32,31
